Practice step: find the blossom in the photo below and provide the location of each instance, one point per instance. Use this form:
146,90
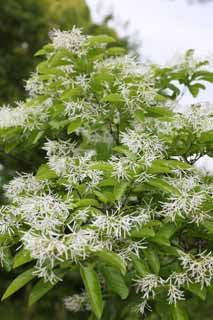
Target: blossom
34,85
80,244
45,213
143,306
12,117
77,302
73,40
187,202
132,248
149,147
117,225
53,248
24,184
59,148
147,285
198,270
8,220
174,294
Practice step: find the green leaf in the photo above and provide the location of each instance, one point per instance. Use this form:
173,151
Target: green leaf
41,288
70,93
196,289
86,203
179,313
120,189
158,112
19,282
46,49
161,240
101,166
116,51
113,259
93,288
115,281
140,266
162,185
8,259
144,232
195,88
103,198
75,124
153,260
44,172
113,97
95,40
22,257
168,230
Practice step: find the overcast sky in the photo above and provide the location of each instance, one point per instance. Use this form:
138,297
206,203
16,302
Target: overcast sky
163,27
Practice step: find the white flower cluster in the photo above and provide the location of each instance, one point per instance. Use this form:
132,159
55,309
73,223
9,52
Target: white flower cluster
187,201
73,40
197,118
199,269
24,184
76,168
77,302
34,86
117,225
148,147
22,116
127,65
81,110
189,62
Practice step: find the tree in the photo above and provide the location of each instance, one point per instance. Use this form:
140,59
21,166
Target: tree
113,198
24,27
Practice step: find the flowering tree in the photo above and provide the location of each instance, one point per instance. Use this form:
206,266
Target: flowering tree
117,198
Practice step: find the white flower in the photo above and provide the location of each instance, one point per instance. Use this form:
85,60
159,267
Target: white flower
187,203
46,273
199,270
117,225
77,302
132,248
121,167
148,147
72,40
9,223
58,164
81,243
24,184
34,86
113,224
45,249
81,110
174,294
126,64
46,213
83,81
12,117
147,285
59,148
142,307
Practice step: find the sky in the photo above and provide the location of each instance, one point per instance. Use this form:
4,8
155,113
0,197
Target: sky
163,28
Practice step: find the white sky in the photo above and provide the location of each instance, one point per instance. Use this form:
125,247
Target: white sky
163,27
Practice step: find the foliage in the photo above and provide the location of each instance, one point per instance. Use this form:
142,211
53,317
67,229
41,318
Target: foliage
24,27
111,196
